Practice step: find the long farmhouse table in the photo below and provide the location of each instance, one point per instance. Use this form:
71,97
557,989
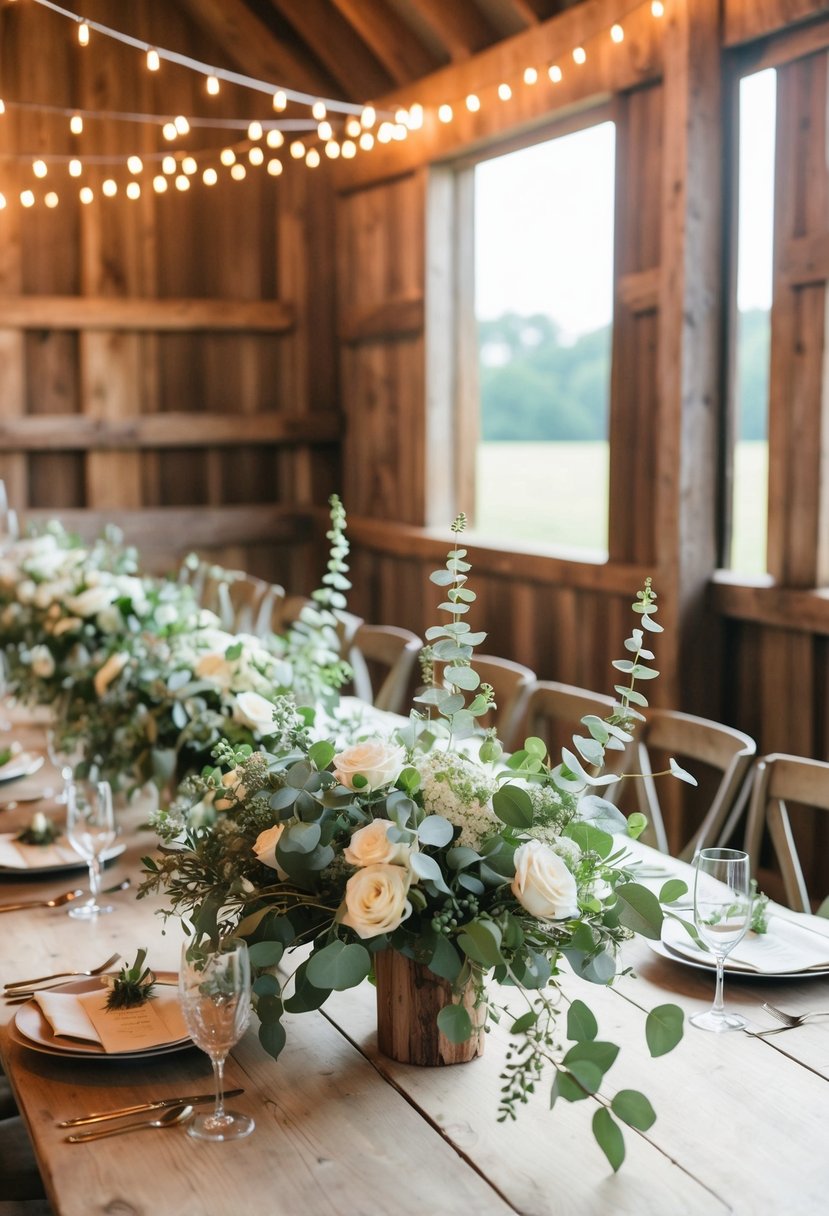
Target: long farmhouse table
742,1126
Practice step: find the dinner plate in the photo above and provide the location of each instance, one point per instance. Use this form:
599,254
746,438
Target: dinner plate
33,1031
740,973
66,867
24,764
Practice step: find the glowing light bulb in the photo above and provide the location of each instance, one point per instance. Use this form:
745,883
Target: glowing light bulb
658,8
554,72
348,149
51,199
325,130
210,177
255,130
153,60
168,165
76,124
280,101
238,172
415,116
213,85
2,111
181,124
366,141
256,156
332,149
579,55
182,182
133,190
313,158
401,115
399,130
169,131
110,187
227,156
2,202
368,117
40,168
318,110
385,133
159,184
190,165
473,103
83,40
135,164
504,92
275,138
353,128
274,167
445,113
297,149
617,33
87,194
530,76
75,168
27,198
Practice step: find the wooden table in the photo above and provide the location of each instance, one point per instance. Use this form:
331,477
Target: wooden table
742,1123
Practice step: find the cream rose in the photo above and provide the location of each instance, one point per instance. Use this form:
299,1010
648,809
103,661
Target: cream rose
254,711
42,662
265,847
371,846
92,601
110,671
215,668
375,900
380,763
543,884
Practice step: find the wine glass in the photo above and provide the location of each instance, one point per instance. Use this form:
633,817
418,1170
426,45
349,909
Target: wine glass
90,829
63,760
214,990
722,913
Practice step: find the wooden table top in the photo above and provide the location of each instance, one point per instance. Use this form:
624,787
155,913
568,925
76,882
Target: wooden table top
340,1130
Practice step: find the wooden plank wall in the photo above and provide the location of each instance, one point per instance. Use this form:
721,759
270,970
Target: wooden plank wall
171,353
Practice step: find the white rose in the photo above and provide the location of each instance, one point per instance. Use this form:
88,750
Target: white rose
543,884
232,781
380,763
110,670
41,661
371,846
254,711
265,847
92,601
110,620
375,900
214,667
26,591
165,615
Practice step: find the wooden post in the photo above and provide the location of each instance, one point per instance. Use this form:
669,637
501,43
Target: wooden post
409,999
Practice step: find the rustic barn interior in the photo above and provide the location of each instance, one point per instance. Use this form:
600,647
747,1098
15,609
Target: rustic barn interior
205,367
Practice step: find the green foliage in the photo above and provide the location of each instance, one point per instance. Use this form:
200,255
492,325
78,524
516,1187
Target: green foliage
133,985
664,1029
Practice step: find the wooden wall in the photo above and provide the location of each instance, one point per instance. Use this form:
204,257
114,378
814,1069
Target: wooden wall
169,354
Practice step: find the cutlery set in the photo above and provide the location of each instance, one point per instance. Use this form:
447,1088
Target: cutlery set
58,901
176,1110
790,1021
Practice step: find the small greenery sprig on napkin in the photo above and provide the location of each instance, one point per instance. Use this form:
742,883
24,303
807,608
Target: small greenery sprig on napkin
132,986
41,831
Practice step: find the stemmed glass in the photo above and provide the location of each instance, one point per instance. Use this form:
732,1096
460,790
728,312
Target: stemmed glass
63,760
722,913
214,990
90,829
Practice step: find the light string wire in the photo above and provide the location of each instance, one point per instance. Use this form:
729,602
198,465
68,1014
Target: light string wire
224,124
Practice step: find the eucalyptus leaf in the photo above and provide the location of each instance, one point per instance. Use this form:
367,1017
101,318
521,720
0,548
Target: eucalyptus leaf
428,869
640,910
455,1022
272,1037
435,830
339,966
266,954
581,1023
609,1137
664,1029
512,805
681,773
634,1109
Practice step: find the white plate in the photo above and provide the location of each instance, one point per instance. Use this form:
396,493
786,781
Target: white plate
66,867
24,764
33,1031
741,973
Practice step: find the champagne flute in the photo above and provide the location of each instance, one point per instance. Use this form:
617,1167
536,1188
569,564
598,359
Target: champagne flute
214,990
90,829
722,914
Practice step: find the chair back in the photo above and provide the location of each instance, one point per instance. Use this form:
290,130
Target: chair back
780,779
511,682
728,751
390,651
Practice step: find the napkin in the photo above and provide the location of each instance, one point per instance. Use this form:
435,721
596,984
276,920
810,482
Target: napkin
15,855
786,947
84,1016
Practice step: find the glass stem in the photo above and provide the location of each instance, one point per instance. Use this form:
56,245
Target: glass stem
94,879
718,1006
219,1074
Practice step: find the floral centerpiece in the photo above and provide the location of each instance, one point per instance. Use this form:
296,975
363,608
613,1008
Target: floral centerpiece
425,850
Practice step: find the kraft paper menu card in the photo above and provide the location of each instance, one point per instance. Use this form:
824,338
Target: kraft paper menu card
85,1016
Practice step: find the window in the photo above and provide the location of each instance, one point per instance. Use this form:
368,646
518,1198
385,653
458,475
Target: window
543,302
752,331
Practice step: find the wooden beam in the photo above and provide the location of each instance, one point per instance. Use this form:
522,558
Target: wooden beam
252,47
393,319
74,432
338,46
460,26
639,290
110,313
766,604
403,56
805,260
745,20
188,528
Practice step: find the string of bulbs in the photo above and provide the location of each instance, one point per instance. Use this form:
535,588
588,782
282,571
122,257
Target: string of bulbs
363,125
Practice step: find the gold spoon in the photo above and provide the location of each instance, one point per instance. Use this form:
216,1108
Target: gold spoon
170,1118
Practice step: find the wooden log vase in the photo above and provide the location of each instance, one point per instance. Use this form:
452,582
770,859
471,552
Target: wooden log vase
409,999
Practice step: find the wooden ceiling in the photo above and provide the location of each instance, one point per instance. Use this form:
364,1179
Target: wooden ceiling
360,49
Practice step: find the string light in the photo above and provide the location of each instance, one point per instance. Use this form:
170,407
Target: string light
318,110
39,168
210,177
617,33
275,138
238,172
312,159
554,72
280,100
27,198
168,165
135,164
445,113
76,124
182,182
190,165
384,133
133,190
473,103
415,117
110,187
297,149
348,149
227,156
83,40
213,85
159,184
274,167
401,115
256,156
255,130
368,117
87,194
325,130
153,60
580,55
352,128
75,168
657,8
169,131
51,199
366,141
181,124
530,76
332,149
2,202
2,111
399,131
504,92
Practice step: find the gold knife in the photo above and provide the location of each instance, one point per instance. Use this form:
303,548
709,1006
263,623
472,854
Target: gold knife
160,1104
